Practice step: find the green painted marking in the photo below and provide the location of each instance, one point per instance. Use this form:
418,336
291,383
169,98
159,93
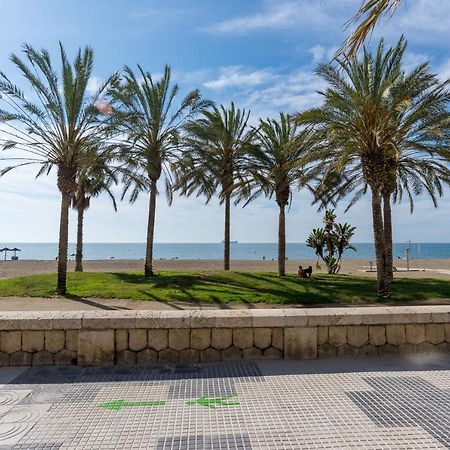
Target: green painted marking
116,405
214,402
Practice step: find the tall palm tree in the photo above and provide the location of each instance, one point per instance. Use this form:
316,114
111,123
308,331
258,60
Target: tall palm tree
276,165
415,174
215,159
386,131
91,181
145,112
53,127
367,17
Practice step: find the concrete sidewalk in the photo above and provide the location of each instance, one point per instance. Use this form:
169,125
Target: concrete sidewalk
401,402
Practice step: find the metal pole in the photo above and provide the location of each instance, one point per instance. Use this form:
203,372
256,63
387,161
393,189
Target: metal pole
407,258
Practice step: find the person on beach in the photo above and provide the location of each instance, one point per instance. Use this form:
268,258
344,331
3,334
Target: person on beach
304,273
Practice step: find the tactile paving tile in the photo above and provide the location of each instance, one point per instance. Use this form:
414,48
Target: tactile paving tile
49,375
407,402
43,446
209,387
220,442
237,405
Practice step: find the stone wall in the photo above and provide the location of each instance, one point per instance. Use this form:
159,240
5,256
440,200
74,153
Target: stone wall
148,337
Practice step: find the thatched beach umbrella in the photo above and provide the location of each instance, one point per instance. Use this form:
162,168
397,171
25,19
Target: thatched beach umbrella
15,250
6,250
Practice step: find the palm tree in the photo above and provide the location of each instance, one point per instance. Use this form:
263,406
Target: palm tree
215,159
275,166
385,131
56,128
146,113
368,15
91,181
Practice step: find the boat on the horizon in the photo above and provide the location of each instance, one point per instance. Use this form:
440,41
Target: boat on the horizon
231,242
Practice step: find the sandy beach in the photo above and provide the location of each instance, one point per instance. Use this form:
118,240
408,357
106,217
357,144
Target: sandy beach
422,268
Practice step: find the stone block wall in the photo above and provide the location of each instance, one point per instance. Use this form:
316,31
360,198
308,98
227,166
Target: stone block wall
149,337
38,347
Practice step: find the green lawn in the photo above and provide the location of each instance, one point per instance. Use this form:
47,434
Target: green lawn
225,287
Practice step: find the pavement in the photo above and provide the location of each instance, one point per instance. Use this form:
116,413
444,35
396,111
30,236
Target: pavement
379,403
117,304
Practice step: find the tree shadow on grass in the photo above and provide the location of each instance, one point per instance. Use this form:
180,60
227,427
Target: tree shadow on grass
221,288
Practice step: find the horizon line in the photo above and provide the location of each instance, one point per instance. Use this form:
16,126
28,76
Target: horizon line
211,242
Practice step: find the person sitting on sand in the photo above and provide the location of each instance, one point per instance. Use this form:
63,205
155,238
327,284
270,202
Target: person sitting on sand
300,272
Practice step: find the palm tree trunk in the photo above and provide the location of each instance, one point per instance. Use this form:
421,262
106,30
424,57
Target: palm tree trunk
387,218
61,286
380,251
79,250
282,241
226,242
148,269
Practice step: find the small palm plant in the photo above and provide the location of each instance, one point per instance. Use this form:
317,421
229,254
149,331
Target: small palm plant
54,126
331,241
217,149
275,167
146,114
91,181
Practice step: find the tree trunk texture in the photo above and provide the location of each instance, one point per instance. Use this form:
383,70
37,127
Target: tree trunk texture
79,250
380,250
148,269
226,241
61,287
282,241
66,185
387,218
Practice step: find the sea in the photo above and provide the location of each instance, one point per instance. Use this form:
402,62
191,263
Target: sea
247,251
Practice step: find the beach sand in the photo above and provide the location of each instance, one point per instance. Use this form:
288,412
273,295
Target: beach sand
434,268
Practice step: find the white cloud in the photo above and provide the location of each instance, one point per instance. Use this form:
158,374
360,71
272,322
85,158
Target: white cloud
265,91
444,70
286,14
281,16
322,54
318,53
237,76
422,19
93,85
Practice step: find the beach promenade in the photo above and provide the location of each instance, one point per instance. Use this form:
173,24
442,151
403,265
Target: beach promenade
375,403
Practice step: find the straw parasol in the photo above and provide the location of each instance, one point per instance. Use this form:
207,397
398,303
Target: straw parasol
6,250
15,250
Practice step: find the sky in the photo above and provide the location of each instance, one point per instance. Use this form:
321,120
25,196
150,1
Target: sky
261,54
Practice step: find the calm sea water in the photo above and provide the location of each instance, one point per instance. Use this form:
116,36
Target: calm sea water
215,251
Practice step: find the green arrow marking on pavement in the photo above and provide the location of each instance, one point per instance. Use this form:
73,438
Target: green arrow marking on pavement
214,402
117,405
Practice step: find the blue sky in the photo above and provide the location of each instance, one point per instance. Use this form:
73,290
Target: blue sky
259,53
